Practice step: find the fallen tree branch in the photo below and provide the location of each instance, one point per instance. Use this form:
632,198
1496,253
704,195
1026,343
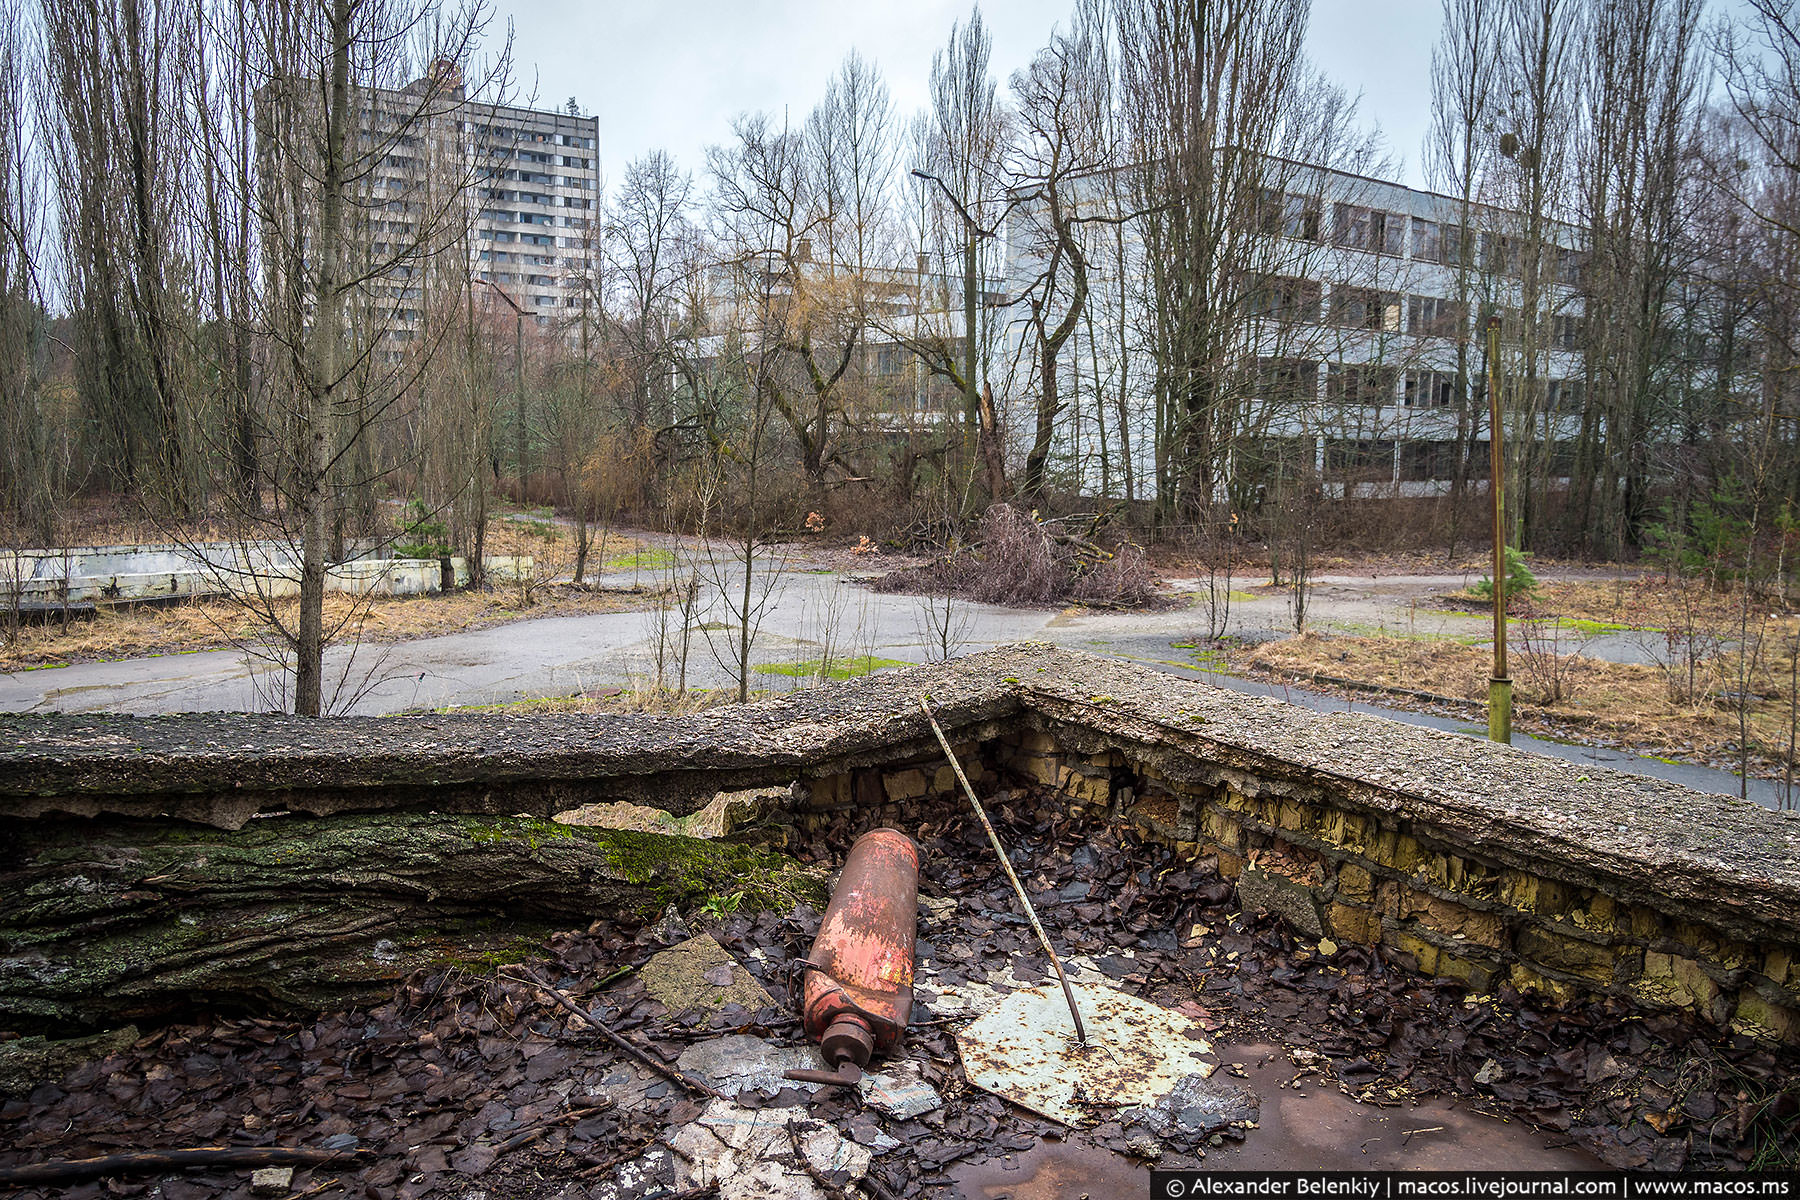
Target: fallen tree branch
667,1072
138,1162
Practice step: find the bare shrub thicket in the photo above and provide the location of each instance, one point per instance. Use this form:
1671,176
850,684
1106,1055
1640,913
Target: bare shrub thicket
1014,558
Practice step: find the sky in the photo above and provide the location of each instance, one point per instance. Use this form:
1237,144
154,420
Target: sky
671,74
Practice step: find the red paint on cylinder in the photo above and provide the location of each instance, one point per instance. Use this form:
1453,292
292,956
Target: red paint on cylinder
858,993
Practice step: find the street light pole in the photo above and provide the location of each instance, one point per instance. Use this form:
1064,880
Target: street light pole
1500,685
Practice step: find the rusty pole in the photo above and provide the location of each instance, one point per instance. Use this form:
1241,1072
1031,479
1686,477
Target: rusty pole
1006,865
1500,685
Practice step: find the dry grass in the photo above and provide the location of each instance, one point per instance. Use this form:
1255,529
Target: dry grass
119,633
1625,704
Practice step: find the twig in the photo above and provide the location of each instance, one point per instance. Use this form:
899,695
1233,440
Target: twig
137,1162
1006,865
529,1135
805,1164
1406,1134
631,1048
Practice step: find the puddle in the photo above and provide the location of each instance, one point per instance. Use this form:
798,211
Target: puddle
1051,1171
1316,1127
1312,1127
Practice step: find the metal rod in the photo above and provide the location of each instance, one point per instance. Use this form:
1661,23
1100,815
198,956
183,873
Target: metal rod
1006,865
1500,685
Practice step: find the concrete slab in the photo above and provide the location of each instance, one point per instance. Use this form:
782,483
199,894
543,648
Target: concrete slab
700,974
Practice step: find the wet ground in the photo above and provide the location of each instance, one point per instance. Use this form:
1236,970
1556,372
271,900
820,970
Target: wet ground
1310,1127
808,610
473,1081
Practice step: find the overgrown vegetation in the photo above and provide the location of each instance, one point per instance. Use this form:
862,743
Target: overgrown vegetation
1014,557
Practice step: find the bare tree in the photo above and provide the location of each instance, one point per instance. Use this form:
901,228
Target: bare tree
345,87
112,77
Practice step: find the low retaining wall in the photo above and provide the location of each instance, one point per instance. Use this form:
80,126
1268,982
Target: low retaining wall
1473,860
135,574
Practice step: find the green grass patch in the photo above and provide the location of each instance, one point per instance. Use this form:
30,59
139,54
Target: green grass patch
841,668
1595,628
1237,597
652,559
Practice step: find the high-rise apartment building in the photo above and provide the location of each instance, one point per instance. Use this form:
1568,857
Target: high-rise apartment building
436,174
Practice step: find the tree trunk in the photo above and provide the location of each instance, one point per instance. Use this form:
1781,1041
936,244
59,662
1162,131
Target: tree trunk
102,923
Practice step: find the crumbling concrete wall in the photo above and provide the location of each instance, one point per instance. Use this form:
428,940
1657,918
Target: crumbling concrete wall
1476,860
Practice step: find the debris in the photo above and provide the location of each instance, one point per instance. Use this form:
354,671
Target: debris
858,990
272,1181
616,1039
753,1153
1136,1054
738,1063
1204,1103
900,1091
699,974
1491,1072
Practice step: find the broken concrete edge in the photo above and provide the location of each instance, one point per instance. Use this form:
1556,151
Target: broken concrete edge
221,769
224,768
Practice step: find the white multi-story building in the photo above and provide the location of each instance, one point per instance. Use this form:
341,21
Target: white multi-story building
1364,296
435,173
539,198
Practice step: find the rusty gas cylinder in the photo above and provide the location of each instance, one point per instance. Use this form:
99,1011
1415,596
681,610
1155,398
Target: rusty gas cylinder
858,990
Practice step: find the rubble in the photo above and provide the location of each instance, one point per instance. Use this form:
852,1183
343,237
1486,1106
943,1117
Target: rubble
470,1080
698,974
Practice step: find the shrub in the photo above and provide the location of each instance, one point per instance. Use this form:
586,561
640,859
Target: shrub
1519,579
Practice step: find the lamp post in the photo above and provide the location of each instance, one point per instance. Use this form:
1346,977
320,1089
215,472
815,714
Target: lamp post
1500,685
518,377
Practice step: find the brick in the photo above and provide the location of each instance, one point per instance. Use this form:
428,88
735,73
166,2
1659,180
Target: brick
1677,981
1778,965
1423,952
1710,946
1350,923
1547,948
1349,830
944,780
1231,864
1451,919
832,791
904,785
1477,973
1528,980
1535,894
1757,1018
1038,768
1355,883
1217,827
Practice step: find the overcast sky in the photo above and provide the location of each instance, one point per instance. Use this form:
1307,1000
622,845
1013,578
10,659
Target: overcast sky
672,73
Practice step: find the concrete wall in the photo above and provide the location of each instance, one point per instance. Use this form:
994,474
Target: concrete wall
134,574
1463,858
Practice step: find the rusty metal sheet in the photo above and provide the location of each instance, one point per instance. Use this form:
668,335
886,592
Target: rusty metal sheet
1024,1050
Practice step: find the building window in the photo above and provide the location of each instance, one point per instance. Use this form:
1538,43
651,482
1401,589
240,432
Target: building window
1359,460
1433,316
1284,298
1428,240
1287,379
1429,389
1361,383
1300,217
1365,308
